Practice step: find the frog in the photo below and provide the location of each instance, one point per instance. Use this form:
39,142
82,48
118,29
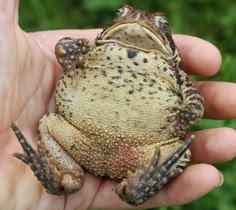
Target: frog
123,110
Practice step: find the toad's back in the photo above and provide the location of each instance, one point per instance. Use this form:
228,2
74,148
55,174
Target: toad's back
119,88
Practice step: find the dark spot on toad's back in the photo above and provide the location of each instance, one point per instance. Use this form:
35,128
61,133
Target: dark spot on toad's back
145,60
131,53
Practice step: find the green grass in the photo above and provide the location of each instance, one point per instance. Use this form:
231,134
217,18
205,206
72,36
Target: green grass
212,20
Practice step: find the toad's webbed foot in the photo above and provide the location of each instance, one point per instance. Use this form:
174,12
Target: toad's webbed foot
148,180
53,178
69,52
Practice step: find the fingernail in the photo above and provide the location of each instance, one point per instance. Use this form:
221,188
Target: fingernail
221,179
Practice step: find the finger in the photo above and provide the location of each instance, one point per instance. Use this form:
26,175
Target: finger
50,38
214,145
9,11
193,183
220,100
199,57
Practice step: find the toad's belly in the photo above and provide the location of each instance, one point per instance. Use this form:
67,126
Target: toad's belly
129,104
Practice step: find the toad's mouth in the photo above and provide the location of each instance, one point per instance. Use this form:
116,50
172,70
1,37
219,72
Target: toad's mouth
136,36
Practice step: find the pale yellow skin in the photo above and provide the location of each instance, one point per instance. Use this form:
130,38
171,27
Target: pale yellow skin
118,103
110,125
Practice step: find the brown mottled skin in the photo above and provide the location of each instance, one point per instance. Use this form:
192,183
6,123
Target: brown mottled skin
123,108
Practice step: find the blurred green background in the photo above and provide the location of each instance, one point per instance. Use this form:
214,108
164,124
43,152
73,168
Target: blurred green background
213,20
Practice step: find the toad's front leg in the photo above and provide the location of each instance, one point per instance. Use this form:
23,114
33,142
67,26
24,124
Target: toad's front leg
70,51
58,172
190,111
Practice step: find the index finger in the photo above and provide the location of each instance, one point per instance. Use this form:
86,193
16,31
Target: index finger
199,57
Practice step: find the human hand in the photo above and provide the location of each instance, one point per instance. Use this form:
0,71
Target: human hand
29,72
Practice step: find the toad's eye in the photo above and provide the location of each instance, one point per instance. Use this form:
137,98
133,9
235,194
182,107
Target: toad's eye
122,11
161,22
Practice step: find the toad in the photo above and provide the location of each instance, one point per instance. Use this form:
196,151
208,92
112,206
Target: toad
123,109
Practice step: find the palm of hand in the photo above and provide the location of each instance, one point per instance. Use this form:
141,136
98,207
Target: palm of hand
29,72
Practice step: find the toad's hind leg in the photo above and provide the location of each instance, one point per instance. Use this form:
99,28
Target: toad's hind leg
53,167
148,180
